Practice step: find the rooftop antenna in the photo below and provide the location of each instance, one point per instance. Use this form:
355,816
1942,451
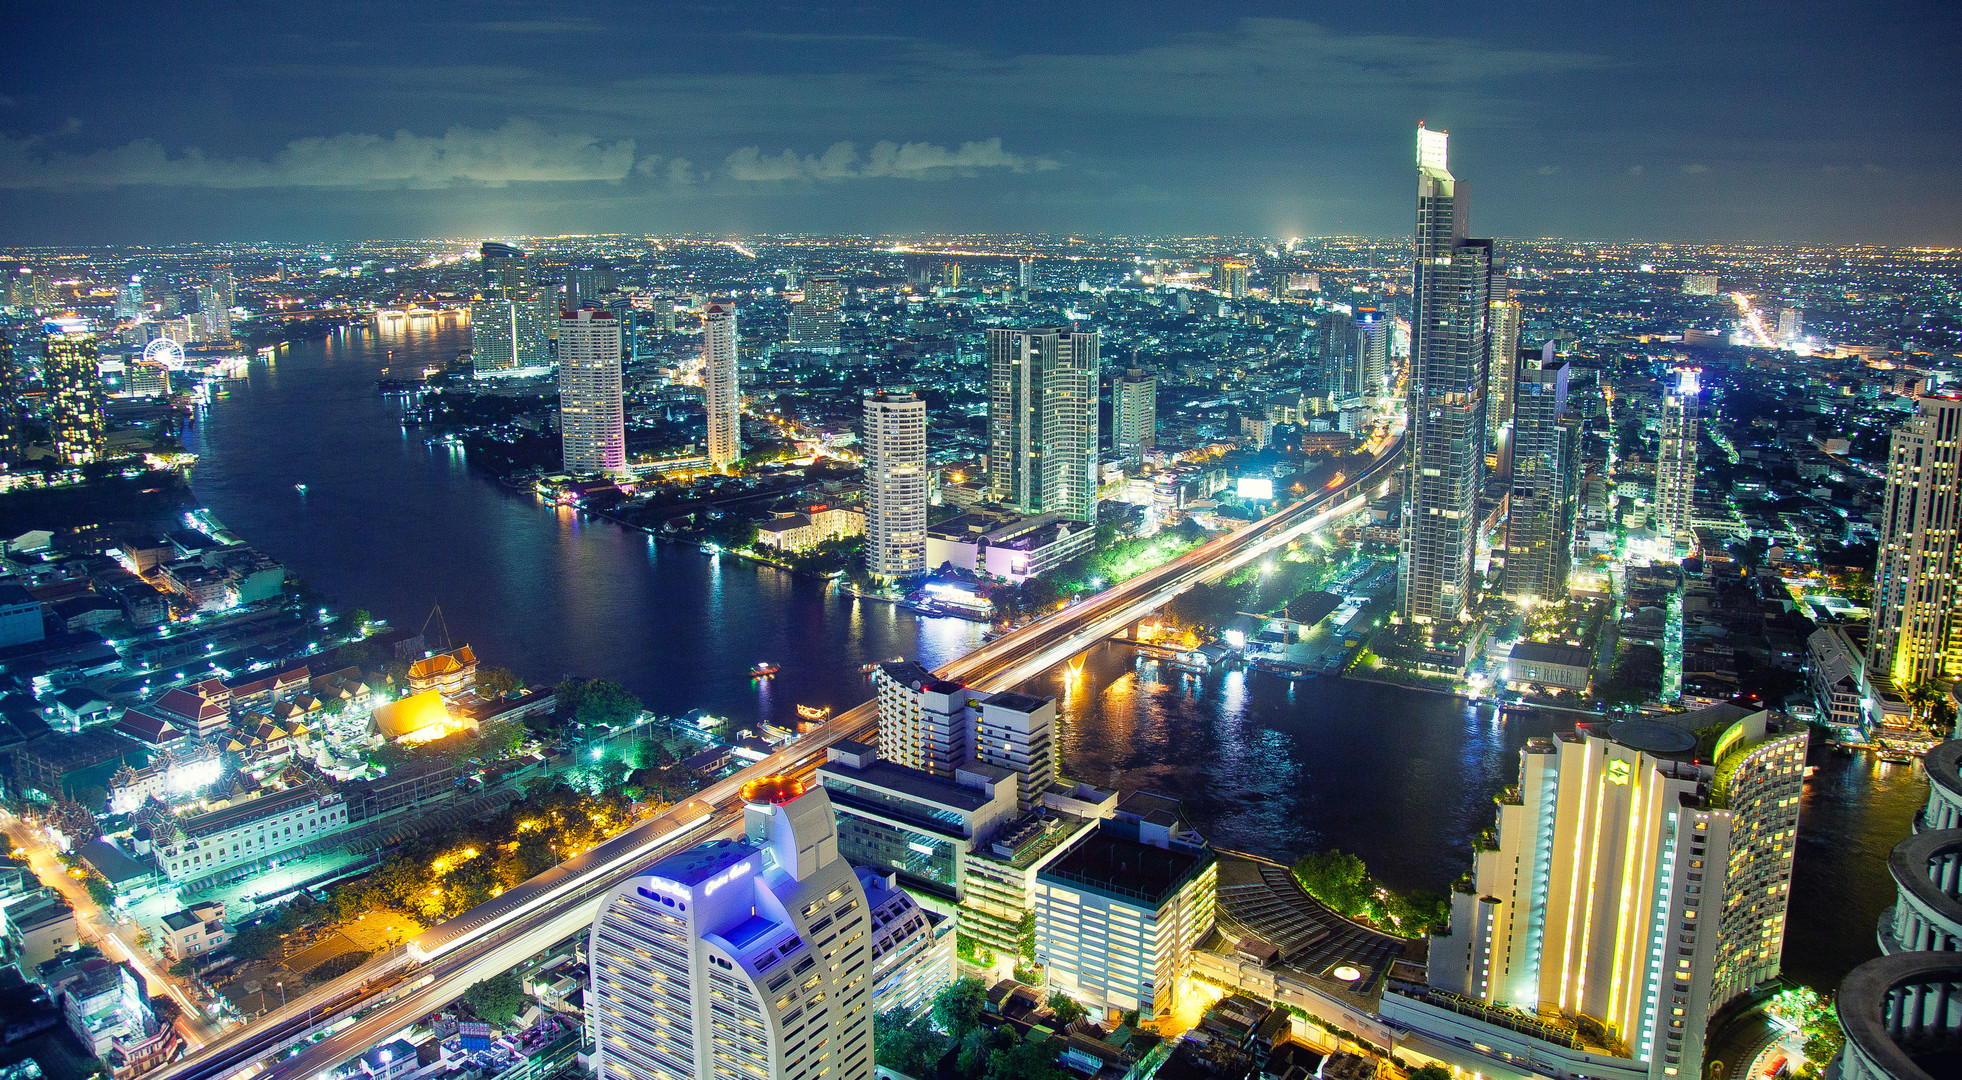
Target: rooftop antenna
436,616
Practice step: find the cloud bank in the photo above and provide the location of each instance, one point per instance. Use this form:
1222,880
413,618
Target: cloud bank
519,152
910,161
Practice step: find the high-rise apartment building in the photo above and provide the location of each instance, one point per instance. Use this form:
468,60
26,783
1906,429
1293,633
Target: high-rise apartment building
723,393
509,325
1230,277
1445,449
1545,482
910,822
744,959
1042,420
1502,343
1025,274
589,286
923,718
129,298
1917,596
592,429
895,484
1016,731
1675,465
817,321
1134,413
1356,352
74,383
215,300
1640,882
1699,284
1791,322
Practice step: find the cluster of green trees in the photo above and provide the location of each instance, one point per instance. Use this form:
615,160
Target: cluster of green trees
596,702
1806,1010
497,999
1341,881
920,1046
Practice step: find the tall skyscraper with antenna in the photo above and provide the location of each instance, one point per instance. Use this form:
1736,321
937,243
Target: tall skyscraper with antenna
1449,356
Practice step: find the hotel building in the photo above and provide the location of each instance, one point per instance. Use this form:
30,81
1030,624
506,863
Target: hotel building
1639,884
744,959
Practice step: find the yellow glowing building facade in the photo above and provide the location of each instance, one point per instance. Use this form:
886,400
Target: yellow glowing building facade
1917,608
419,718
69,367
1634,883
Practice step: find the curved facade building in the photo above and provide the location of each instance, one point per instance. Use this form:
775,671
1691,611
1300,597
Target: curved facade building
1902,1013
739,959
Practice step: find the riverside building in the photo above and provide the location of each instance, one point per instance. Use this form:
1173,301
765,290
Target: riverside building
742,958
1452,286
912,823
592,425
895,484
722,392
1636,888
69,368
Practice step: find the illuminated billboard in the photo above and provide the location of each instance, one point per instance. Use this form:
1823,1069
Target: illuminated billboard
1255,487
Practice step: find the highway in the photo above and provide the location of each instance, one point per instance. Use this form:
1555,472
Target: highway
438,966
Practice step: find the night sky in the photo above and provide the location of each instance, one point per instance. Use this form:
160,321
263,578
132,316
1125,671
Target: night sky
1792,121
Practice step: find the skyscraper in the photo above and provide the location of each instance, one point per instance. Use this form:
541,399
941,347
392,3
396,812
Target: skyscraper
723,394
1025,274
74,383
739,958
1134,413
1917,609
1452,289
1640,881
1042,420
1675,465
1545,479
895,484
592,429
1502,343
1356,352
1791,322
215,300
1015,731
1230,278
816,321
508,325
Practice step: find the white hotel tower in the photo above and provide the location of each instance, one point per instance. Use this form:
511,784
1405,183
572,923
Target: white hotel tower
739,958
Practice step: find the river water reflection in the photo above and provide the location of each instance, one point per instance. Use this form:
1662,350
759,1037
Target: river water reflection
1402,778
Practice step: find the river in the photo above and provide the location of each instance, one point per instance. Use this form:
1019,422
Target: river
1401,777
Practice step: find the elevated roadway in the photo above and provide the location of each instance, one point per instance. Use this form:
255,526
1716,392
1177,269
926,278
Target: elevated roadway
399,987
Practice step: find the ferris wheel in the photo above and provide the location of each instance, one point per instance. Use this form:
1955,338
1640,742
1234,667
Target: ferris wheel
164,352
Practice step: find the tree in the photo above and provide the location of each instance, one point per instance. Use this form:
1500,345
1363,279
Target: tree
1337,879
185,968
957,1007
351,623
1031,1059
607,702
907,1045
100,892
1065,1008
1430,1072
255,942
497,680
568,694
497,999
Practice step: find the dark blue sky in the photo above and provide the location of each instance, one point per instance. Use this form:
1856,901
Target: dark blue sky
1782,121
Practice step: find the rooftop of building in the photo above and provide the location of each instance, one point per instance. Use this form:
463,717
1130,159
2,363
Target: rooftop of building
1552,652
1124,868
701,862
231,817
1016,700
1261,903
909,783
